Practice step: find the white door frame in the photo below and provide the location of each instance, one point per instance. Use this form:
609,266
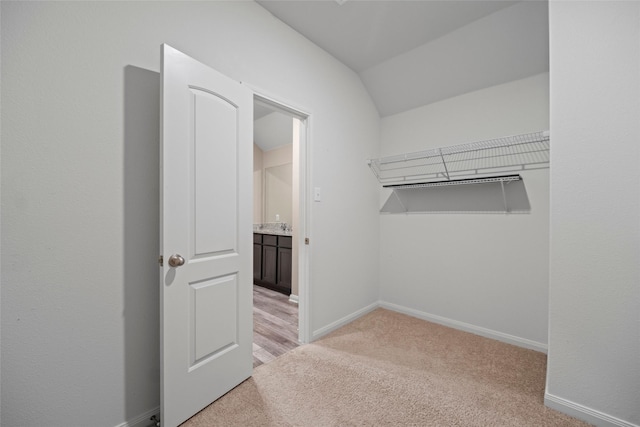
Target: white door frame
304,284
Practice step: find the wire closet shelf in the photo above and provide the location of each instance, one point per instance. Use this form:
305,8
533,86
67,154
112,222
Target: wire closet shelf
459,162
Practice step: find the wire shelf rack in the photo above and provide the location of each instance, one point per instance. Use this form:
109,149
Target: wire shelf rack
475,159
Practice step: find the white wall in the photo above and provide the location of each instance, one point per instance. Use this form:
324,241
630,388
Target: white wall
594,329
278,156
484,272
80,190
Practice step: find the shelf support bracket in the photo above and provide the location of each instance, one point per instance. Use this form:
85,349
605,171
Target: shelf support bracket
444,164
395,193
504,197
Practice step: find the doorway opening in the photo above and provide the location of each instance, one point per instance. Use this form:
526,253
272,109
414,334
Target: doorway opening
280,279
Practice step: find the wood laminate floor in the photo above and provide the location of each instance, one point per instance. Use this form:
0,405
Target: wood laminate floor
275,325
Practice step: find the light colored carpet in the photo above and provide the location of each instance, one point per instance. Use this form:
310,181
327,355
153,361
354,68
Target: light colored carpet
388,369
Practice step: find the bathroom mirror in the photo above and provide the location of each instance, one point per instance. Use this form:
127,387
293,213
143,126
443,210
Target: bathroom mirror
277,193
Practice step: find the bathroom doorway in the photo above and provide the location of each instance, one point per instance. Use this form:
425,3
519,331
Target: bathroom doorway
280,229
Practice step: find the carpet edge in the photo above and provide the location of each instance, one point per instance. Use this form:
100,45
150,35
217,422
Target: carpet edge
467,327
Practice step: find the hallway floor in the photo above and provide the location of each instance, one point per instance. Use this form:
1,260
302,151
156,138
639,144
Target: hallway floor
275,325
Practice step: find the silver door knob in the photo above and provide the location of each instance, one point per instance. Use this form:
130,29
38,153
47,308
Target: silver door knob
176,260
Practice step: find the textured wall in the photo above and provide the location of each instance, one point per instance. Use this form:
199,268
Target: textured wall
594,328
80,190
488,271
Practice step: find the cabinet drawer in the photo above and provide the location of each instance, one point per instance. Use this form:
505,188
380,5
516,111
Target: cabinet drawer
284,241
268,239
257,238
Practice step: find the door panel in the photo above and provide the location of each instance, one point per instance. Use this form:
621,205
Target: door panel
213,303
212,120
206,206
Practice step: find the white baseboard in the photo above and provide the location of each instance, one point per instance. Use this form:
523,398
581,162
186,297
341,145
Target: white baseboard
293,298
584,413
341,322
467,327
142,420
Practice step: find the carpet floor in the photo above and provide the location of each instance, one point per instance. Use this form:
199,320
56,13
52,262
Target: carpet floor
389,369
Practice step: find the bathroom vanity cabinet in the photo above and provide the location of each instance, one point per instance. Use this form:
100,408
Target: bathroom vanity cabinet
272,262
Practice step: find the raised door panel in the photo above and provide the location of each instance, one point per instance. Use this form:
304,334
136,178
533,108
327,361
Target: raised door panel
213,303
214,174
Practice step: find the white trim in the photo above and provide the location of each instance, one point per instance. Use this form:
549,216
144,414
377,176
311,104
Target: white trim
293,298
304,257
584,413
467,327
345,320
276,102
304,252
142,420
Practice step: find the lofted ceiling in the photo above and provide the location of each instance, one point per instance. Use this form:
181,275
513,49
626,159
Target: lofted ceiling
414,53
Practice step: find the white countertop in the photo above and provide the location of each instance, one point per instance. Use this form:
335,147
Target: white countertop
273,228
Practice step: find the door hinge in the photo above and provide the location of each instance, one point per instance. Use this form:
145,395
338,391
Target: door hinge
306,240
161,261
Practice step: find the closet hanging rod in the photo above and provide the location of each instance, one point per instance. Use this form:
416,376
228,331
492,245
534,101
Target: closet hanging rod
504,178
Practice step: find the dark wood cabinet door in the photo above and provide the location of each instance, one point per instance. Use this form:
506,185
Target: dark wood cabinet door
272,262
257,261
284,268
269,264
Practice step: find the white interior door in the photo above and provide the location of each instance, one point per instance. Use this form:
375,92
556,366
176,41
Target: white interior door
206,293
